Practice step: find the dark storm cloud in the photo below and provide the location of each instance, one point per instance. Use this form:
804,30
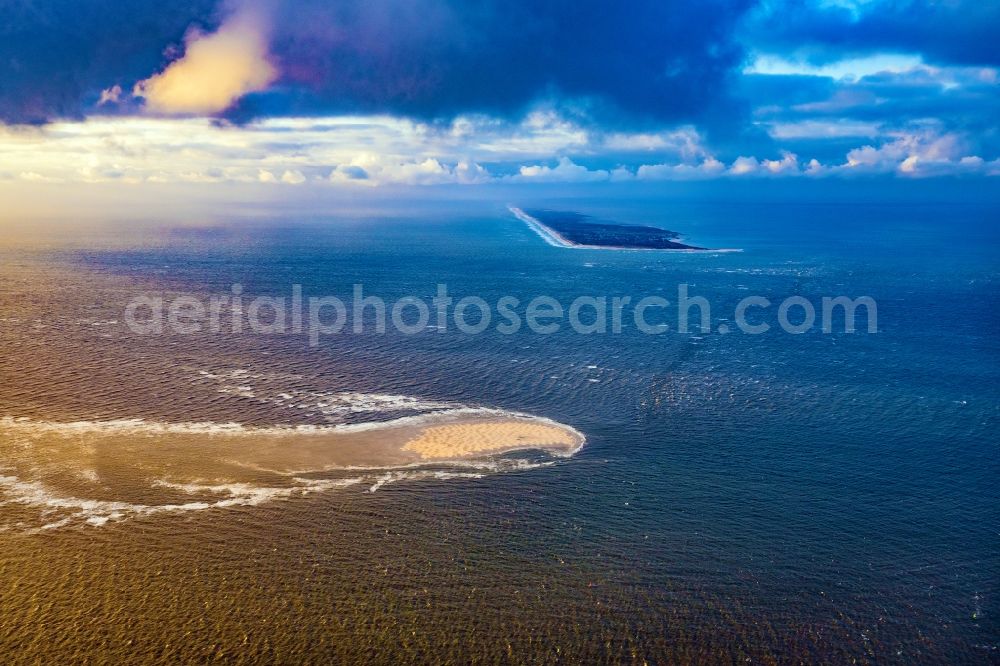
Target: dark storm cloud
656,60
952,32
56,56
659,59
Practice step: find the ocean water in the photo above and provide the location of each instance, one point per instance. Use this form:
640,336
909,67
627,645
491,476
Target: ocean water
773,498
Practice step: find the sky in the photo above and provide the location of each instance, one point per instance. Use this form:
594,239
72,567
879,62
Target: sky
360,95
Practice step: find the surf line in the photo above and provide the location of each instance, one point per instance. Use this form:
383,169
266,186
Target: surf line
548,235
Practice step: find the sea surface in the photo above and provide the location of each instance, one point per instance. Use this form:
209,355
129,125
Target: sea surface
774,498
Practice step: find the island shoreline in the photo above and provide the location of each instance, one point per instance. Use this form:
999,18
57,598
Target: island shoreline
555,239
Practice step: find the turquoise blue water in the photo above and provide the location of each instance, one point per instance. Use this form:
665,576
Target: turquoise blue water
817,496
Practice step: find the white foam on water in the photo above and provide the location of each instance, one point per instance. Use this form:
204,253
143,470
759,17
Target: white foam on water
393,477
336,403
248,494
98,513
78,511
81,510
330,404
142,427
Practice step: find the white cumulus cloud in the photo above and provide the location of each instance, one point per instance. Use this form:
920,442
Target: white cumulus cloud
565,171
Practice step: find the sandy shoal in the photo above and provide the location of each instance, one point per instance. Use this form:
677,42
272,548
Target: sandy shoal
472,438
123,462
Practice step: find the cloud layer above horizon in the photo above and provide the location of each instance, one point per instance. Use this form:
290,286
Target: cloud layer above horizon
355,92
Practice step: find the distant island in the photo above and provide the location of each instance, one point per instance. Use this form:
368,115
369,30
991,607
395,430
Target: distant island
570,229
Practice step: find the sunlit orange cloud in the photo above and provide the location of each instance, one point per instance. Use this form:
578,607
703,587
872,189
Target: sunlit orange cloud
215,71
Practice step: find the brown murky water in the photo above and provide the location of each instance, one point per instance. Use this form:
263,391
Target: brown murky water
134,529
